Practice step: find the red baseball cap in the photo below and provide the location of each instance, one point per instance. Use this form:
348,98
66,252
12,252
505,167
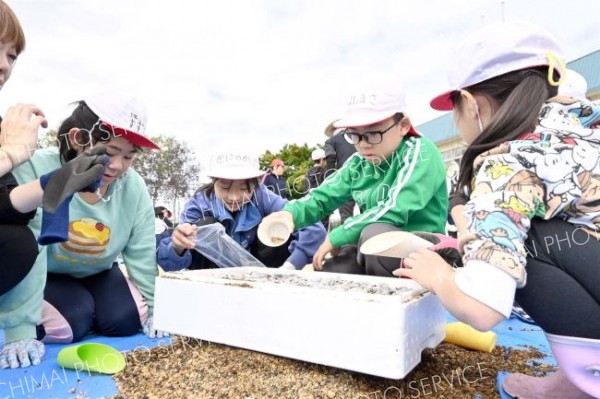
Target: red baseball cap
124,115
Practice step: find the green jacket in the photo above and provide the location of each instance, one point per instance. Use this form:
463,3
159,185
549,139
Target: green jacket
407,190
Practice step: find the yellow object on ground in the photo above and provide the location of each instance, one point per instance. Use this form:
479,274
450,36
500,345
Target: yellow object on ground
462,334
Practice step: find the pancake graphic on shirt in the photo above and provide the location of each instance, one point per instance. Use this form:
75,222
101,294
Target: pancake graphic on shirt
87,237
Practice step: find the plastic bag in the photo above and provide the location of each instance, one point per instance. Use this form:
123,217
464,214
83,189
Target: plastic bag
213,242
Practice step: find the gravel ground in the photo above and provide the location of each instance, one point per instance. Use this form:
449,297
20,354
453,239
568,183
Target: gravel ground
192,368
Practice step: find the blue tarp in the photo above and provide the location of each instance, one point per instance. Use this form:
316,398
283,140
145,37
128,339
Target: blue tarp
50,381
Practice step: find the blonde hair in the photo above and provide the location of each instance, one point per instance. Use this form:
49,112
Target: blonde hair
10,28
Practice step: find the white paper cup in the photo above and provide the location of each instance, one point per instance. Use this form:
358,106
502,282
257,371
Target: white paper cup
273,233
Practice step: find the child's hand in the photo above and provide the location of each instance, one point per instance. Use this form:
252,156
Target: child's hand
323,250
183,237
427,268
22,353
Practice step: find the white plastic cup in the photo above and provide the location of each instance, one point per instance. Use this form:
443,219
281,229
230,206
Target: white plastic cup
273,233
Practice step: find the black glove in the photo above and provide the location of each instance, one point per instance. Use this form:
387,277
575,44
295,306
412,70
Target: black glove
83,173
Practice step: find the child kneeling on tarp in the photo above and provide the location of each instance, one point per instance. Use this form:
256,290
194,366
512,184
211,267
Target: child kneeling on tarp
236,199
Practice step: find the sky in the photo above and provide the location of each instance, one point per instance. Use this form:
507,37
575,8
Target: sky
261,73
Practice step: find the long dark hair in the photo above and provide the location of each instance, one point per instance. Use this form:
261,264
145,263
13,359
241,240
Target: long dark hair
519,96
90,130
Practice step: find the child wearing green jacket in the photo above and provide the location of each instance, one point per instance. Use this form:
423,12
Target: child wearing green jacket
397,178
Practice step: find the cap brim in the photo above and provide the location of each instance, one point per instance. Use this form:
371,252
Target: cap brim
330,129
235,174
412,131
443,102
133,137
370,118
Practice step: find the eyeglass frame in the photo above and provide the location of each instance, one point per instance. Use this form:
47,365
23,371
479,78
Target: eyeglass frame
363,136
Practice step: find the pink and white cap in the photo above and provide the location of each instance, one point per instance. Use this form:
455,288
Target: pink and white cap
124,114
495,50
377,99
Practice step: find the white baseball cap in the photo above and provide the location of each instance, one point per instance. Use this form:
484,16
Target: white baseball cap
124,114
378,100
495,50
233,165
317,154
574,85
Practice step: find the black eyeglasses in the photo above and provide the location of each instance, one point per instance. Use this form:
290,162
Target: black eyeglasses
374,137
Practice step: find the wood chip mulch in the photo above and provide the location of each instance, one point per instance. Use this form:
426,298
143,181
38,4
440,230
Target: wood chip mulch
192,368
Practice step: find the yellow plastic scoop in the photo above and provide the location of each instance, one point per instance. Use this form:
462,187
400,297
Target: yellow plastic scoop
461,334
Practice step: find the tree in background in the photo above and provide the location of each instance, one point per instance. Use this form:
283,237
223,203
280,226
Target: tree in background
298,162
47,139
170,173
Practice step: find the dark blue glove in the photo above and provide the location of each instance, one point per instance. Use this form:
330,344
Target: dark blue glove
83,173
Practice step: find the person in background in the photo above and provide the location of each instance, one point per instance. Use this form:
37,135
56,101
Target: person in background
274,179
316,174
164,215
530,178
76,286
236,199
396,176
337,151
163,226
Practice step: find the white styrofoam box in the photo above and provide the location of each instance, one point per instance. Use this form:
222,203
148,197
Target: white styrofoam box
302,316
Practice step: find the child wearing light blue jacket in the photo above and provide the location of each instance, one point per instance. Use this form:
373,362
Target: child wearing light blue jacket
236,199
